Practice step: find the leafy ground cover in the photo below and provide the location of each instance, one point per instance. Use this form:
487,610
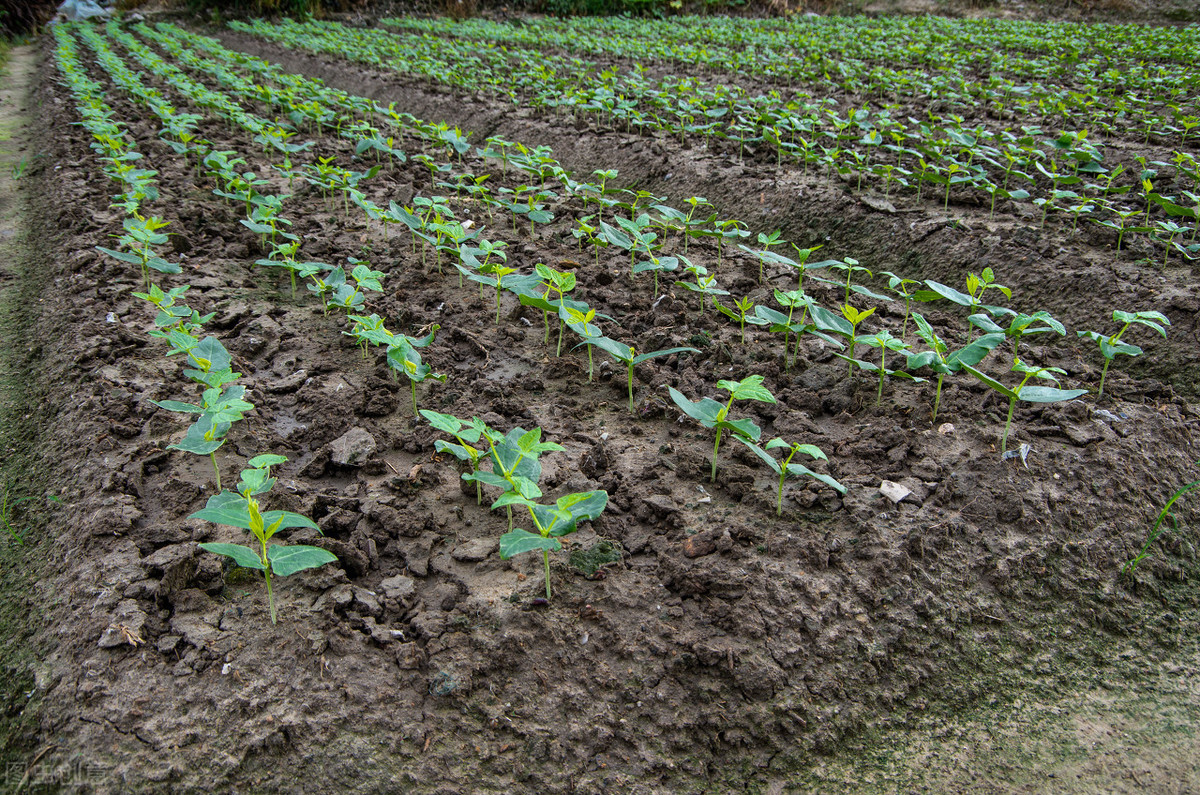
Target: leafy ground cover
428,330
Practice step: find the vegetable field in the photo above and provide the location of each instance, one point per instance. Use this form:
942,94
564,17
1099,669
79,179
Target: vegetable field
601,405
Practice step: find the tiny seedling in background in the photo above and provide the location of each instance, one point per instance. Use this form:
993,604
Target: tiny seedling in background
1112,345
1159,529
629,357
786,467
712,414
1031,394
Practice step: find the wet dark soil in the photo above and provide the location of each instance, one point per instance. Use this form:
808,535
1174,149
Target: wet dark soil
725,648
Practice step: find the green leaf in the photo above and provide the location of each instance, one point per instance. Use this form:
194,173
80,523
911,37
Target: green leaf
706,411
512,498
267,460
298,557
644,356
210,355
242,556
800,469
975,352
446,423
858,288
826,320
989,381
766,457
203,437
518,541
942,291
162,266
124,256
619,350
1048,394
743,427
175,405
231,509
569,510
749,388
487,479
985,323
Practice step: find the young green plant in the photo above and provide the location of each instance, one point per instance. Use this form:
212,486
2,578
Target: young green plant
1112,345
1031,394
629,357
712,414
552,522
786,467
242,510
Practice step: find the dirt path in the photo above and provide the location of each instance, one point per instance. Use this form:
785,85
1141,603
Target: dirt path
22,482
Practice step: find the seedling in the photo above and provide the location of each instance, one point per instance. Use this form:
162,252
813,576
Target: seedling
500,271
712,414
211,362
743,306
554,282
551,522
629,357
657,264
1112,345
242,510
941,361
328,285
884,341
402,356
855,319
466,434
850,266
172,315
256,478
786,467
977,287
140,238
1031,394
515,465
903,288
204,437
1020,325
580,321
704,284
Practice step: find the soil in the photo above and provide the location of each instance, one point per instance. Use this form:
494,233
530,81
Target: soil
977,634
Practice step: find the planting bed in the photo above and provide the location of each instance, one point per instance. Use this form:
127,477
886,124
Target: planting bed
695,640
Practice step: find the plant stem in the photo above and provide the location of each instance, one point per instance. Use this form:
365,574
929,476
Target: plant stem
413,384
1012,404
546,562
270,596
716,447
882,373
630,384
779,501
217,469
